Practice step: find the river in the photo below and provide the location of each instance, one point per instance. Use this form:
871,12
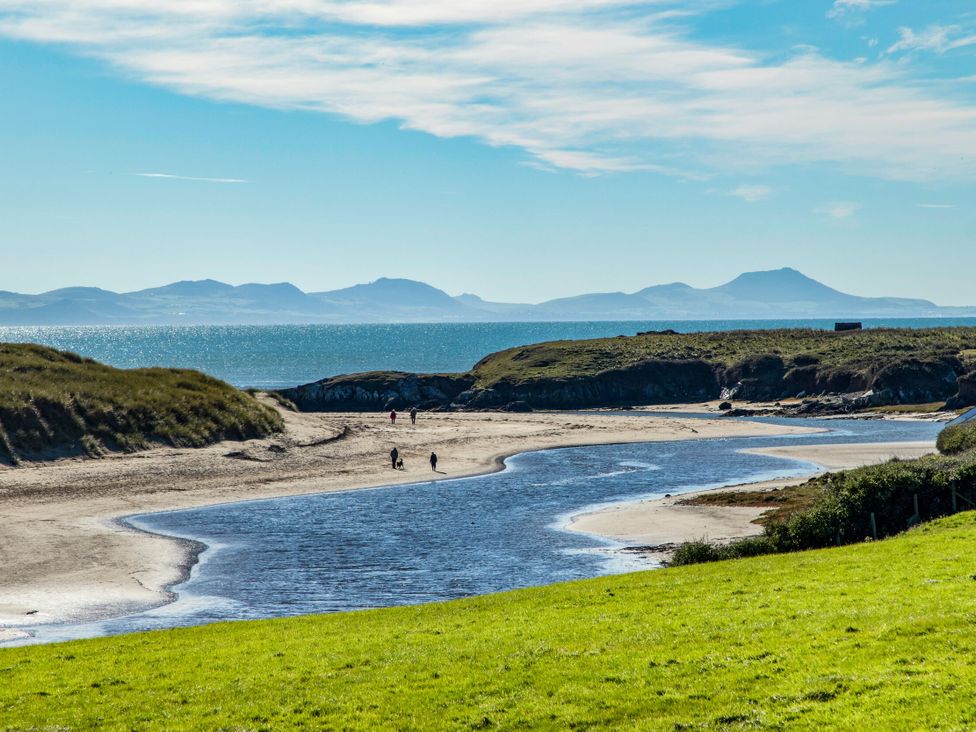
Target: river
443,540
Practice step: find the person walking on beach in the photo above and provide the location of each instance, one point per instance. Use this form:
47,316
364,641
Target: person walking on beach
393,417
413,415
394,454
433,461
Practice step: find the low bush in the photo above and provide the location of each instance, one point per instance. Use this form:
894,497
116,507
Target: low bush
842,509
958,438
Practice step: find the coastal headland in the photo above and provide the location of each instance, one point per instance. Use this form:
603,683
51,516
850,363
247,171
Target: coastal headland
818,371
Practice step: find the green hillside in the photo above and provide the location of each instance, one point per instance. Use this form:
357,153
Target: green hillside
876,635
897,366
54,403
865,351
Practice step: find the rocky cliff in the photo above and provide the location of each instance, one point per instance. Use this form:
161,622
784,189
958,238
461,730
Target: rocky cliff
870,368
379,391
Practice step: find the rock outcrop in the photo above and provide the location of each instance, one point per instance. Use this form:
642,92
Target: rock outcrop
378,391
763,377
965,395
646,382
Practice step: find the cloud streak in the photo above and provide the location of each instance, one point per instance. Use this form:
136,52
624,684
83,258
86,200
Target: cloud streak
752,194
844,9
840,210
935,38
170,176
593,86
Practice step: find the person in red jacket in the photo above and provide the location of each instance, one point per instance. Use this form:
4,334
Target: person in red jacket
393,417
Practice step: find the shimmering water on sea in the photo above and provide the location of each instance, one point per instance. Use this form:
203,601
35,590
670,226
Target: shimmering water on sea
451,539
286,355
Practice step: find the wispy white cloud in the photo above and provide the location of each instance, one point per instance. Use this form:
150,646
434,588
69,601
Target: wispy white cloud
854,10
594,86
839,210
752,194
190,177
936,38
936,205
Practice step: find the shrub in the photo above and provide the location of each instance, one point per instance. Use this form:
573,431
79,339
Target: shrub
841,513
957,439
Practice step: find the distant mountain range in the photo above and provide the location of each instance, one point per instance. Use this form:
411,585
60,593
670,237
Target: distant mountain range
775,294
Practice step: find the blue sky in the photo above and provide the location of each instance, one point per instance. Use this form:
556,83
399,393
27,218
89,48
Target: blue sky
519,149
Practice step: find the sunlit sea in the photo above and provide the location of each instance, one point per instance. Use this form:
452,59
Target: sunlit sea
285,355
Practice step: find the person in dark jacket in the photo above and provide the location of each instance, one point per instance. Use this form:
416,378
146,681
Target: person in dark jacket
394,454
393,417
433,461
413,415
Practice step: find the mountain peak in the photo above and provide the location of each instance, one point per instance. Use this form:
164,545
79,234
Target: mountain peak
188,288
393,292
778,285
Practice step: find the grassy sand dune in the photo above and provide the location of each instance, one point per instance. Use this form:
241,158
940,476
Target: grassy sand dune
868,636
54,403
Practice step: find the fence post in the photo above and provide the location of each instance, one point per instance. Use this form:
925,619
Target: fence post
915,518
874,527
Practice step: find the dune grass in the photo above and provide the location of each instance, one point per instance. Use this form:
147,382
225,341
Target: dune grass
54,402
869,636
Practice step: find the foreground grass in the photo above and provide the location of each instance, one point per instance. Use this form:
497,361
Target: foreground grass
869,636
53,401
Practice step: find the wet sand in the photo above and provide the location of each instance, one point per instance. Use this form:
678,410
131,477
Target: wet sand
665,522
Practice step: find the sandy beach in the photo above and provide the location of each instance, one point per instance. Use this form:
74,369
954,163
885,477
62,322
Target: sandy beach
664,522
66,557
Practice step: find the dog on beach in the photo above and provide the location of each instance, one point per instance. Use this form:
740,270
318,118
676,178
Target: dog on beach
399,464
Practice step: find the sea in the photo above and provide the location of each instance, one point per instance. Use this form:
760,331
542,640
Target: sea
275,356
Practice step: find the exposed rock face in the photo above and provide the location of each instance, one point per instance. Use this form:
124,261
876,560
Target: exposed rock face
646,382
916,382
966,392
642,383
762,377
378,391
758,377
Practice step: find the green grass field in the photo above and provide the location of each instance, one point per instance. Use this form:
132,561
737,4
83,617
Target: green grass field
870,636
53,403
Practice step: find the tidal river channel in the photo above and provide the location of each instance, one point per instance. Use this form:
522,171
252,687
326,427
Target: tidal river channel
438,541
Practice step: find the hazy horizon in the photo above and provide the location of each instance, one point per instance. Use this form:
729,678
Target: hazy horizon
373,280
522,151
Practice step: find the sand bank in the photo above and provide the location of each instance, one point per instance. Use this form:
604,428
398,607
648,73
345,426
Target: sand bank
66,557
664,522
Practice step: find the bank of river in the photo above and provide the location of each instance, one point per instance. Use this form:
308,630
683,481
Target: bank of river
438,541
